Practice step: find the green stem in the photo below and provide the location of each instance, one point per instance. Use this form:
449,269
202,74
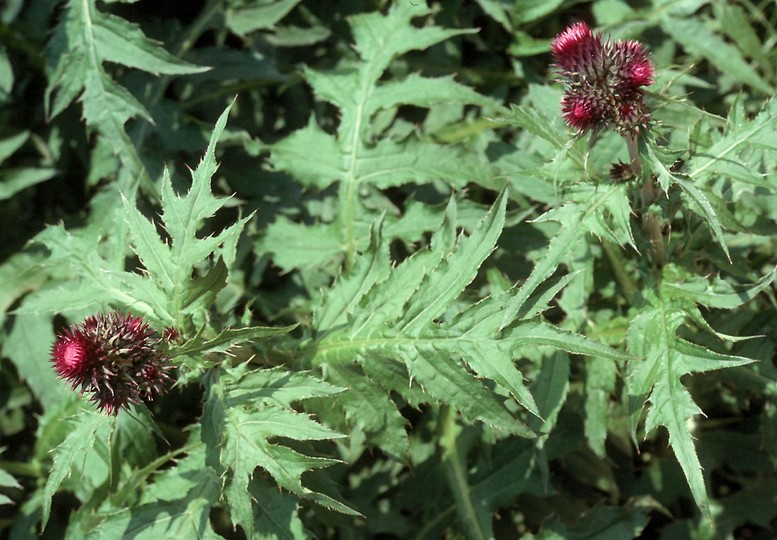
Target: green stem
627,285
17,468
652,221
633,147
432,524
457,472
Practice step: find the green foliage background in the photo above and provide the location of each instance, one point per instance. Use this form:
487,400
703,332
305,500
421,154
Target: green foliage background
412,302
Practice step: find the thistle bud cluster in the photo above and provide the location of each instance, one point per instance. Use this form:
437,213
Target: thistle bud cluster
115,357
604,80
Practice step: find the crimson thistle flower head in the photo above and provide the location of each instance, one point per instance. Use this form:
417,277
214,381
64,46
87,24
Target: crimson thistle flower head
115,357
604,80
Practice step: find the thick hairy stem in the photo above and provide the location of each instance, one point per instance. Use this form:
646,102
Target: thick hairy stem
651,221
651,228
631,144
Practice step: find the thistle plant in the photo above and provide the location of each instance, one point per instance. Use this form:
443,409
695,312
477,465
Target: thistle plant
471,312
114,357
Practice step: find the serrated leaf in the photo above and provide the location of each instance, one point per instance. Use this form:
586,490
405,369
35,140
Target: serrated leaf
172,266
738,26
371,409
228,338
656,379
204,288
176,505
27,345
538,124
371,30
13,181
250,18
9,145
424,92
444,380
122,42
739,136
696,38
72,453
442,287
558,247
388,164
7,481
712,292
149,247
237,427
347,293
277,386
319,169
391,296
354,157
294,245
246,446
699,202
20,273
183,518
85,38
275,515
537,333
401,314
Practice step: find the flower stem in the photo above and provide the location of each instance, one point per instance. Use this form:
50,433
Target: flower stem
633,147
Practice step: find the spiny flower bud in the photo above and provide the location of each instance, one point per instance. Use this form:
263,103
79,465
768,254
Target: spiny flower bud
604,80
114,357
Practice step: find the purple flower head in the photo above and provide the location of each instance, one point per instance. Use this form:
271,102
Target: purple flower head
604,80
115,358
